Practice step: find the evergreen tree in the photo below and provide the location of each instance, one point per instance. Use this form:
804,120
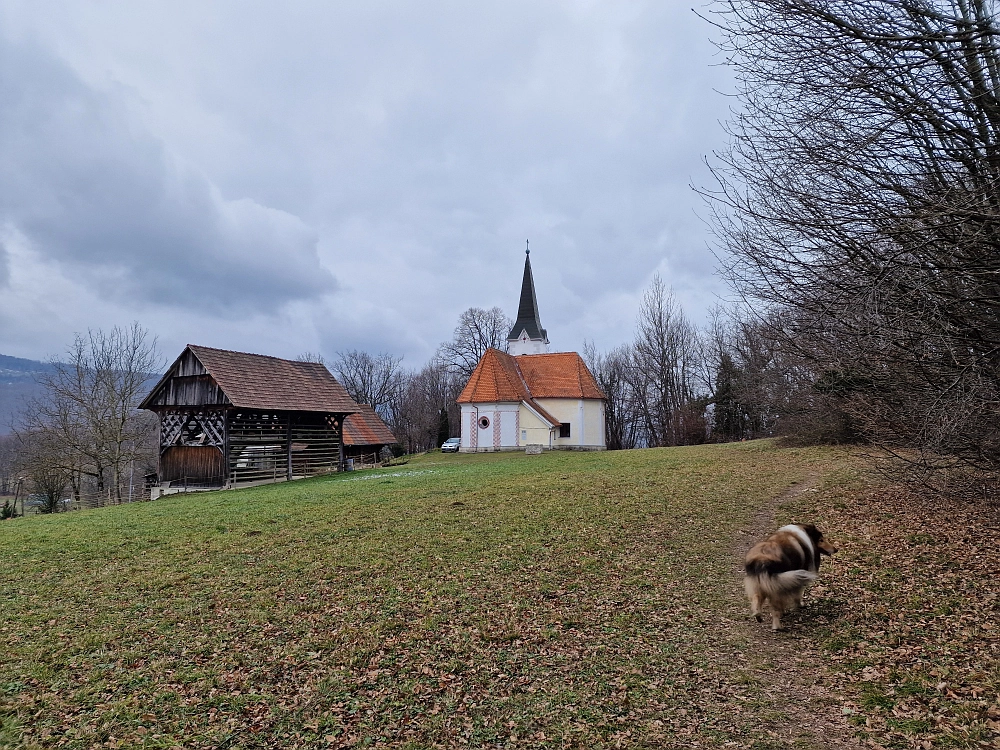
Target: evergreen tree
729,413
444,428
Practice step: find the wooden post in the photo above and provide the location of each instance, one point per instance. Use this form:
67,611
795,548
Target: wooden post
340,442
17,491
226,475
288,439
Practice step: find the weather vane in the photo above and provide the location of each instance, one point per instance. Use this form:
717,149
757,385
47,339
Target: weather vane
526,250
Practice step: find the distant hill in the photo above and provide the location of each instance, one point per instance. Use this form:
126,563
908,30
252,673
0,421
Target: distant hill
17,384
14,366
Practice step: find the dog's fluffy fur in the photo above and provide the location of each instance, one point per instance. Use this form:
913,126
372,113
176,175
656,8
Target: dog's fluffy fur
779,569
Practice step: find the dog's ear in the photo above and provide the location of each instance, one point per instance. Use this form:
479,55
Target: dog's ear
812,532
819,541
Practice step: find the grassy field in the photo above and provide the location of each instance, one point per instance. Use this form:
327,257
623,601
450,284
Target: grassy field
562,600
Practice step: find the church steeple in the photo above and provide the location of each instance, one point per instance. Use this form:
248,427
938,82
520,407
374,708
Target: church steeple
527,336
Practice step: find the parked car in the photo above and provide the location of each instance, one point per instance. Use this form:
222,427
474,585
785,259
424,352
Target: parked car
451,445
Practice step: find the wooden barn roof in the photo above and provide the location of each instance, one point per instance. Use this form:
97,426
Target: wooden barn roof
365,427
500,377
256,381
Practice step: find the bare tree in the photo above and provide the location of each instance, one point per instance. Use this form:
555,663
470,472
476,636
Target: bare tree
477,331
425,408
311,357
370,379
860,196
8,464
664,371
761,389
47,477
752,382
621,410
88,419
656,387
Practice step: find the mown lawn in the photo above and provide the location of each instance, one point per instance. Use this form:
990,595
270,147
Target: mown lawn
563,600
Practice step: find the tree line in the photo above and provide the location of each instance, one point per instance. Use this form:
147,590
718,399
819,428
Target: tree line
858,206
419,404
675,383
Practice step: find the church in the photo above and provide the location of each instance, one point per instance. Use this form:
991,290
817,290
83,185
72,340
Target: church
529,397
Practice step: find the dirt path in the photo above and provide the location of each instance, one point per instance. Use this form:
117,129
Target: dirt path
790,672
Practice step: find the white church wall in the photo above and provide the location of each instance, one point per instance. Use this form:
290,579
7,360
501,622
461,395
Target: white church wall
490,427
585,417
593,425
533,430
468,418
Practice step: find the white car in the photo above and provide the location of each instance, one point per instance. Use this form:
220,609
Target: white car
451,445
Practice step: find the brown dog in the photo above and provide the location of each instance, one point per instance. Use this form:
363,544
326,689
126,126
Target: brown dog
779,569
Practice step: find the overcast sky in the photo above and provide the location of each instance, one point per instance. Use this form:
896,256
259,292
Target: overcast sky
320,176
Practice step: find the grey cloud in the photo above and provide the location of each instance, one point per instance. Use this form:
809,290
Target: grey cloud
444,128
4,266
92,188
424,143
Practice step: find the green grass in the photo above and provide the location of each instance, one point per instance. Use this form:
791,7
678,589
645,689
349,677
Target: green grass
502,600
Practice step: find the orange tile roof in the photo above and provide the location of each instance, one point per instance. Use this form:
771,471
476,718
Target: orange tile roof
563,375
365,427
495,379
499,377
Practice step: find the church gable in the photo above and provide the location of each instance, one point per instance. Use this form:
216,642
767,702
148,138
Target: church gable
495,379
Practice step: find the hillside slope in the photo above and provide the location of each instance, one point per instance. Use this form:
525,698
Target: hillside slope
561,600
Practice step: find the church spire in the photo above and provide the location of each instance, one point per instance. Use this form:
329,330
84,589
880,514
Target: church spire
527,336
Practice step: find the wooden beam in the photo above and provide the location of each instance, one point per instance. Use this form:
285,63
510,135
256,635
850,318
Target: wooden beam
288,447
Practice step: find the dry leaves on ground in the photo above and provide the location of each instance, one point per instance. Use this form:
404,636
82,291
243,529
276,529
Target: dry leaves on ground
914,602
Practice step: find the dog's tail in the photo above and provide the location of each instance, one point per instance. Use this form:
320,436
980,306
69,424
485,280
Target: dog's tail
794,579
781,584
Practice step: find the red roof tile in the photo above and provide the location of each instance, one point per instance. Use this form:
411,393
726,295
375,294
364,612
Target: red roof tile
364,427
495,379
563,375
